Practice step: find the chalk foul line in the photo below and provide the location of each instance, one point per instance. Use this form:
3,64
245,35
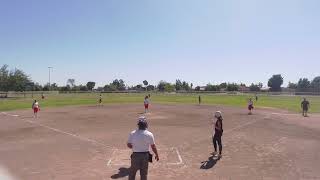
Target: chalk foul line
60,131
241,126
180,162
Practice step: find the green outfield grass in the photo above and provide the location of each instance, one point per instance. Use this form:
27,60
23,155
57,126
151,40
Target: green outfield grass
291,103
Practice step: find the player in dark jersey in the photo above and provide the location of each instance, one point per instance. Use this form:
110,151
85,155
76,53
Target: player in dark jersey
305,107
218,131
250,106
100,100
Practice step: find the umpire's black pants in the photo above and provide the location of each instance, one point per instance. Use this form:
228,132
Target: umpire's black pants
139,161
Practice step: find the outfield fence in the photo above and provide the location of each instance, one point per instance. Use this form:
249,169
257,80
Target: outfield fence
27,94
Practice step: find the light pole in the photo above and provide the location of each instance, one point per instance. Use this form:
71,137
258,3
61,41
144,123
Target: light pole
49,78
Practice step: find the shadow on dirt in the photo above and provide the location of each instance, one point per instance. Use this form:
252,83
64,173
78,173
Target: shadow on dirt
123,172
210,163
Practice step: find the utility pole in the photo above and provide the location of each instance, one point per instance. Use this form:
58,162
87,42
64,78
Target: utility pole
49,78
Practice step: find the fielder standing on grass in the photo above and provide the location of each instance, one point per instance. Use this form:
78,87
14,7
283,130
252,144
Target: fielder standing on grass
250,106
100,100
305,107
218,131
36,108
199,99
139,141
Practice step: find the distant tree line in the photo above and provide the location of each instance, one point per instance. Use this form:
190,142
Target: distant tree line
17,80
305,85
14,80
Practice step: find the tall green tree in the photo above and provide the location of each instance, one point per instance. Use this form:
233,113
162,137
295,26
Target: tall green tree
165,86
303,84
71,82
14,80
292,85
210,87
64,88
37,87
233,87
316,83
83,88
4,78
182,85
110,87
139,87
161,85
254,87
275,82
185,86
150,87
90,85
119,84
169,87
223,85
178,85
145,83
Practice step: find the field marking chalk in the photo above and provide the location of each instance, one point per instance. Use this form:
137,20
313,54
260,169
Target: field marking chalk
241,126
297,114
286,114
110,160
62,132
14,115
180,162
179,157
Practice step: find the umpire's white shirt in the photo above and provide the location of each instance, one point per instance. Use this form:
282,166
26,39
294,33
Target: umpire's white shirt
141,140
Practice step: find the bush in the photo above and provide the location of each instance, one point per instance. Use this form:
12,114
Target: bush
232,87
110,87
211,87
169,87
254,87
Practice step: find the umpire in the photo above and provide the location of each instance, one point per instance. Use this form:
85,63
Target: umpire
139,141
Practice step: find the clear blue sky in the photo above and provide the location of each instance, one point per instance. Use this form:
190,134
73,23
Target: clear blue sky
199,41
